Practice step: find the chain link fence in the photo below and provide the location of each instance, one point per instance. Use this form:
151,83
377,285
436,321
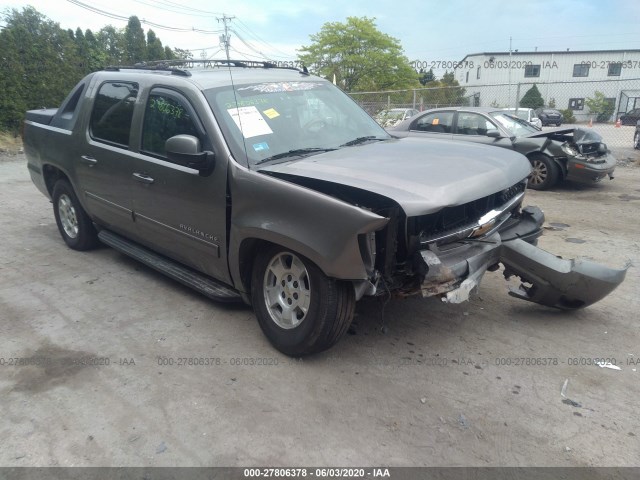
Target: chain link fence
611,107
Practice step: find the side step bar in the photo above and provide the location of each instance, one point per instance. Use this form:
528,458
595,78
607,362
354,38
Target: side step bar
207,286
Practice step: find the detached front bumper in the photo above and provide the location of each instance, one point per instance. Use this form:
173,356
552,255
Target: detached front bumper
453,273
588,172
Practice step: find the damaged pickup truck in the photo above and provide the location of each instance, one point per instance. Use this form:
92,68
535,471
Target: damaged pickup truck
269,185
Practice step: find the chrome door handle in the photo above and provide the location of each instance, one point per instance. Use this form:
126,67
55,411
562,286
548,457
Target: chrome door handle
142,178
88,160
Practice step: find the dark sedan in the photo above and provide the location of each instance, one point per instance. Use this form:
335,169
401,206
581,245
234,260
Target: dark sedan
562,153
549,116
631,117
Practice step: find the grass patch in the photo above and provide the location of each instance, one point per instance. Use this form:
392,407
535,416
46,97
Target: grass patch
10,144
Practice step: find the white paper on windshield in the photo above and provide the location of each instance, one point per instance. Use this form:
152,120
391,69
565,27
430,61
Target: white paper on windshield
250,122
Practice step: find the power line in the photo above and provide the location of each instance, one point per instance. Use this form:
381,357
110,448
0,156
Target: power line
146,22
179,9
245,28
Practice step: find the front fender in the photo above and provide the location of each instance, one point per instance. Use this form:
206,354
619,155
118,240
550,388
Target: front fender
320,227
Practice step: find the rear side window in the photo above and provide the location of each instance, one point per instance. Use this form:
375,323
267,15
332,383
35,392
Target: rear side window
113,111
167,114
68,114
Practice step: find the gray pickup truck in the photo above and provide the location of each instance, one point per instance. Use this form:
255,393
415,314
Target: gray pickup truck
271,186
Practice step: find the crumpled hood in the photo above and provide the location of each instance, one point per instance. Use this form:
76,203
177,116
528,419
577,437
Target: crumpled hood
580,135
421,175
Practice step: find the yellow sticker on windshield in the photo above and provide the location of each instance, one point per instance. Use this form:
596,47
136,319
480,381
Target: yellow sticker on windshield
271,113
436,121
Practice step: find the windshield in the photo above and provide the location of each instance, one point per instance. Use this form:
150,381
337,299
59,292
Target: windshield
284,120
515,126
523,114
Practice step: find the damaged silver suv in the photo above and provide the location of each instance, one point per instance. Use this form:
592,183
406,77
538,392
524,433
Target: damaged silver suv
269,185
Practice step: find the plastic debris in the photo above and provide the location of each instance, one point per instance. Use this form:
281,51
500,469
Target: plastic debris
610,365
563,391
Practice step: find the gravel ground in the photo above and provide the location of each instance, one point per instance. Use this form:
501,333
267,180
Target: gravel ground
439,385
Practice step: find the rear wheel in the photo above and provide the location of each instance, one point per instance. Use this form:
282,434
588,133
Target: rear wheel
74,224
544,173
299,308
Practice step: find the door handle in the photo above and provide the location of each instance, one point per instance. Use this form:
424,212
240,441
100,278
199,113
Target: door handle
142,178
88,160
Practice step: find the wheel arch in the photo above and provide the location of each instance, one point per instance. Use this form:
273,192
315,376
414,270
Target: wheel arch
561,163
51,175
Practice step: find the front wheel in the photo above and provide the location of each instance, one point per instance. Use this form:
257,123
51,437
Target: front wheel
636,141
544,173
299,308
74,224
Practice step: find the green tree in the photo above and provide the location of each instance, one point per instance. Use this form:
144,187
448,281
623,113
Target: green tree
444,92
155,50
359,55
180,54
600,106
134,43
532,99
112,42
168,53
426,77
39,65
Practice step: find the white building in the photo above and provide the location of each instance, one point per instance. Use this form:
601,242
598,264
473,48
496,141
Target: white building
566,78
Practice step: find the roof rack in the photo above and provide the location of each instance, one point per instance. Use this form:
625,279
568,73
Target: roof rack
183,67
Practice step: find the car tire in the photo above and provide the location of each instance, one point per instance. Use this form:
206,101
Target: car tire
636,141
74,224
558,124
544,174
300,310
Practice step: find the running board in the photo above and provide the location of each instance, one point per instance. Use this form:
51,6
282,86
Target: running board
207,286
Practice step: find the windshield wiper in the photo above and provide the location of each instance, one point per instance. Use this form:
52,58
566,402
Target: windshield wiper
298,152
359,140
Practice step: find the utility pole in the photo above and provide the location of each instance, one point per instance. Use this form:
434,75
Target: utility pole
225,38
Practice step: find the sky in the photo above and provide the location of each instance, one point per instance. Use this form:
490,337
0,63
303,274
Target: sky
428,30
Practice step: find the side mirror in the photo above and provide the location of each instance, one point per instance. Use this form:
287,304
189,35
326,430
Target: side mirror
185,150
493,133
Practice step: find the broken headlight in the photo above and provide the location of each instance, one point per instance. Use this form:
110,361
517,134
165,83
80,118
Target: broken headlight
570,149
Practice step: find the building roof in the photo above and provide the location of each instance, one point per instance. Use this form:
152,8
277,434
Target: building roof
549,52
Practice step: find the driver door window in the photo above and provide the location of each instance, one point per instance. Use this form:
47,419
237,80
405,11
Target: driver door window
473,124
166,115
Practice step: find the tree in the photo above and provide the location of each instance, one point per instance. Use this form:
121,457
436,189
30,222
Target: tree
601,106
359,55
134,43
112,42
444,92
155,50
180,54
39,65
426,77
532,99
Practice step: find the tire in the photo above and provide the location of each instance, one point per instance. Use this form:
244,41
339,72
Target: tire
558,124
74,224
544,174
300,310
636,141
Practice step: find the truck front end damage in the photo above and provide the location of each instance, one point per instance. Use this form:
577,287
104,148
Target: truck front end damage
446,254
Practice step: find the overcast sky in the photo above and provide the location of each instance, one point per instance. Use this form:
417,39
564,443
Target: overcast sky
428,30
